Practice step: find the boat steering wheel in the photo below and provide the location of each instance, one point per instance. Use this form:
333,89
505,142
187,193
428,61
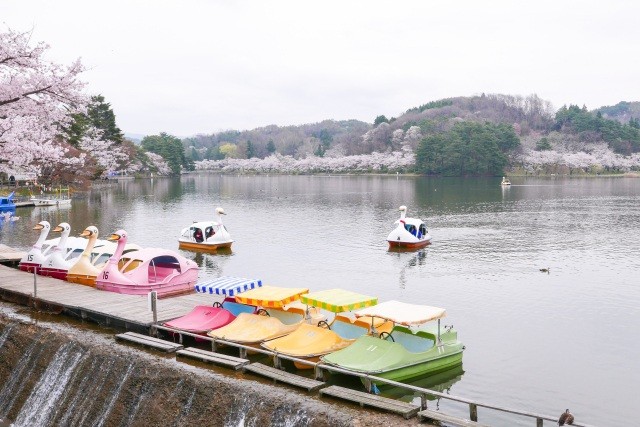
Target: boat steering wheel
263,312
385,335
323,324
217,305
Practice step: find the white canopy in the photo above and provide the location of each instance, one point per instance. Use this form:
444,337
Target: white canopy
403,313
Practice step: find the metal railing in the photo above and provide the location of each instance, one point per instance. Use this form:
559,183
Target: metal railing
367,379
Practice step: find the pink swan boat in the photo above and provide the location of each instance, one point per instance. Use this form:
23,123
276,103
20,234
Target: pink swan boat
146,270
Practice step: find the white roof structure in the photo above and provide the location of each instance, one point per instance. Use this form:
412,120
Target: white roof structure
403,313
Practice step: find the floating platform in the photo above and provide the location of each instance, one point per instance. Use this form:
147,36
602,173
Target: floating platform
407,410
284,377
147,341
9,255
128,312
216,358
428,415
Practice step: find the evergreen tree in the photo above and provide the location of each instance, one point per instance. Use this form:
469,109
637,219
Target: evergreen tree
170,148
251,151
271,147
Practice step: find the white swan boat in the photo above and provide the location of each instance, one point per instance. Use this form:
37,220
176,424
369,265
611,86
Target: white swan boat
410,233
208,236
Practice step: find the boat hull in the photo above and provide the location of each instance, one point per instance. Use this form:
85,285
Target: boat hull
28,266
82,279
203,247
421,369
163,290
56,273
396,244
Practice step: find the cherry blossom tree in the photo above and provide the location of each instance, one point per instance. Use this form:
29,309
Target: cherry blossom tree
36,98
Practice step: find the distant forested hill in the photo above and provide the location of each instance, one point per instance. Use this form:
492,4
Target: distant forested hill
478,135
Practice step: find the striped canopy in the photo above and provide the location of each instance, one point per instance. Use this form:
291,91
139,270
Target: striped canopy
228,286
271,296
338,300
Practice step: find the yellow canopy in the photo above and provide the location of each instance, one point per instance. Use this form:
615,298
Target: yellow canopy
338,300
271,296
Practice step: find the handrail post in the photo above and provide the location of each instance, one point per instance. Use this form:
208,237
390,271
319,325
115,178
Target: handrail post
423,401
539,422
473,412
319,373
35,285
276,361
243,352
367,383
213,345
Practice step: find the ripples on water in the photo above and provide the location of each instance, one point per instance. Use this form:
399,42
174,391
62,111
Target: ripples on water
536,341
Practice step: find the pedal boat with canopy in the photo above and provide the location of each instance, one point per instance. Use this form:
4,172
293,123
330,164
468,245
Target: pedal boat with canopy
405,352
280,313
309,341
205,318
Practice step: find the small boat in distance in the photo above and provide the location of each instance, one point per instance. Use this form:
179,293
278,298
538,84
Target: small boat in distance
61,199
505,181
206,236
410,233
7,204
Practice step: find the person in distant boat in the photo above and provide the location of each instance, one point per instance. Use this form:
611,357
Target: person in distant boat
197,234
208,232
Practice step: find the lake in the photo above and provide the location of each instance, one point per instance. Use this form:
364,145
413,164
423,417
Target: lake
535,341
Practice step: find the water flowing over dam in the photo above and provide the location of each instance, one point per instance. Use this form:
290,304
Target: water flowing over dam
55,374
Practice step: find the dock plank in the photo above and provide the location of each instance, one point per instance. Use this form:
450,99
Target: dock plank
407,410
284,377
131,309
148,341
428,415
216,358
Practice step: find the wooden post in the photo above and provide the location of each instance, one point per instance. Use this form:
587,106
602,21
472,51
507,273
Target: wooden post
473,412
243,352
213,346
276,361
35,286
319,373
367,384
153,305
423,401
539,422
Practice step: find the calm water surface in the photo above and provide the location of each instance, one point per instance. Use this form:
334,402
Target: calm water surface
534,341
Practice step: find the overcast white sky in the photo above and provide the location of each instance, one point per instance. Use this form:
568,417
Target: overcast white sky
198,66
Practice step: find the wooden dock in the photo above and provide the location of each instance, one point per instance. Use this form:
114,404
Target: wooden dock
128,312
9,255
215,358
147,341
407,410
428,415
284,377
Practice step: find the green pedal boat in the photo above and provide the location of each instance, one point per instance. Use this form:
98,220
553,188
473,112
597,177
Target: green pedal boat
406,352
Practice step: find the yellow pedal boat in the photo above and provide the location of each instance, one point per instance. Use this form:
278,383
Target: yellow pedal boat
280,314
309,341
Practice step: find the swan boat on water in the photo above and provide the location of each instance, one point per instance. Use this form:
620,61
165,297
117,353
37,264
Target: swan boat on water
410,233
404,353
146,270
207,236
40,249
7,204
505,182
310,341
